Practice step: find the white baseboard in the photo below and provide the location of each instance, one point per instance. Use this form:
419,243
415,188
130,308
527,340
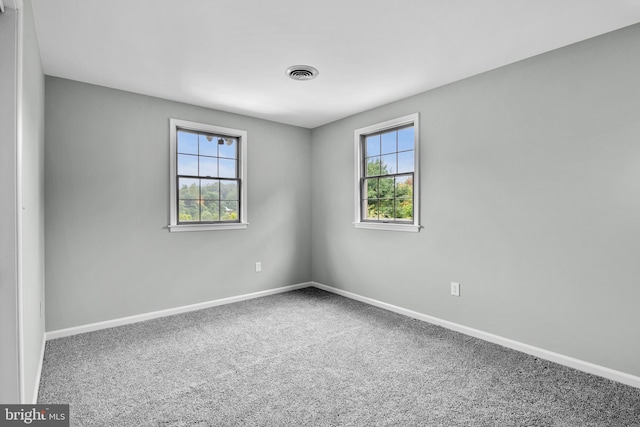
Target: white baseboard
561,359
36,387
60,333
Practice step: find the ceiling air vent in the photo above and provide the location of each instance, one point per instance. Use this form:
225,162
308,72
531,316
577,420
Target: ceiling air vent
302,72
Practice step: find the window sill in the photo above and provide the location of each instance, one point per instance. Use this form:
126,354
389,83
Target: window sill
207,227
411,228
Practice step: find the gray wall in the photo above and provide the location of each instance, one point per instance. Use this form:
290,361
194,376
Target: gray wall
530,199
32,203
9,354
108,251
530,184
21,254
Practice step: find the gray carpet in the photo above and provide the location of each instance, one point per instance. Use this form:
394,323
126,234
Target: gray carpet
309,357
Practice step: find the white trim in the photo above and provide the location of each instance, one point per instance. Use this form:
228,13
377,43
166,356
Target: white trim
60,333
13,4
389,227
208,227
174,124
561,359
36,386
413,119
19,199
16,4
591,368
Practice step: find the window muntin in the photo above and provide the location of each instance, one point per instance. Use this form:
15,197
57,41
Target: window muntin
208,177
387,175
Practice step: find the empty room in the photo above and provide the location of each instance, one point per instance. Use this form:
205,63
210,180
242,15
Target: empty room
410,213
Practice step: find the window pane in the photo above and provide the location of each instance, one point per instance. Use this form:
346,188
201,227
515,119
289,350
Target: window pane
188,188
208,166
405,161
227,168
386,190
228,211
386,184
388,165
208,145
404,209
210,211
208,183
386,209
228,148
405,139
187,165
372,146
388,142
209,189
229,190
371,186
373,166
404,186
187,142
404,198
372,210
188,210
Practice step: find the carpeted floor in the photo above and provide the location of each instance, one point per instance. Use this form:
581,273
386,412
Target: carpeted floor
313,358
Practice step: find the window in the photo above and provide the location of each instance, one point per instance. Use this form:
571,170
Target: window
386,175
208,177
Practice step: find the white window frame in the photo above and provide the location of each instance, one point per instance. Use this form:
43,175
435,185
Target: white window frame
174,126
359,135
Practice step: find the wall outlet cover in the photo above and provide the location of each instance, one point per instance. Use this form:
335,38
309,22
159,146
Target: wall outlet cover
455,289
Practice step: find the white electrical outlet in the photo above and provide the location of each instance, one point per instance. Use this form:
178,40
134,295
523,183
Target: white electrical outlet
455,289
258,267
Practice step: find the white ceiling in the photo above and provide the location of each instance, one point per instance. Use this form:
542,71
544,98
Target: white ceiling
232,55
